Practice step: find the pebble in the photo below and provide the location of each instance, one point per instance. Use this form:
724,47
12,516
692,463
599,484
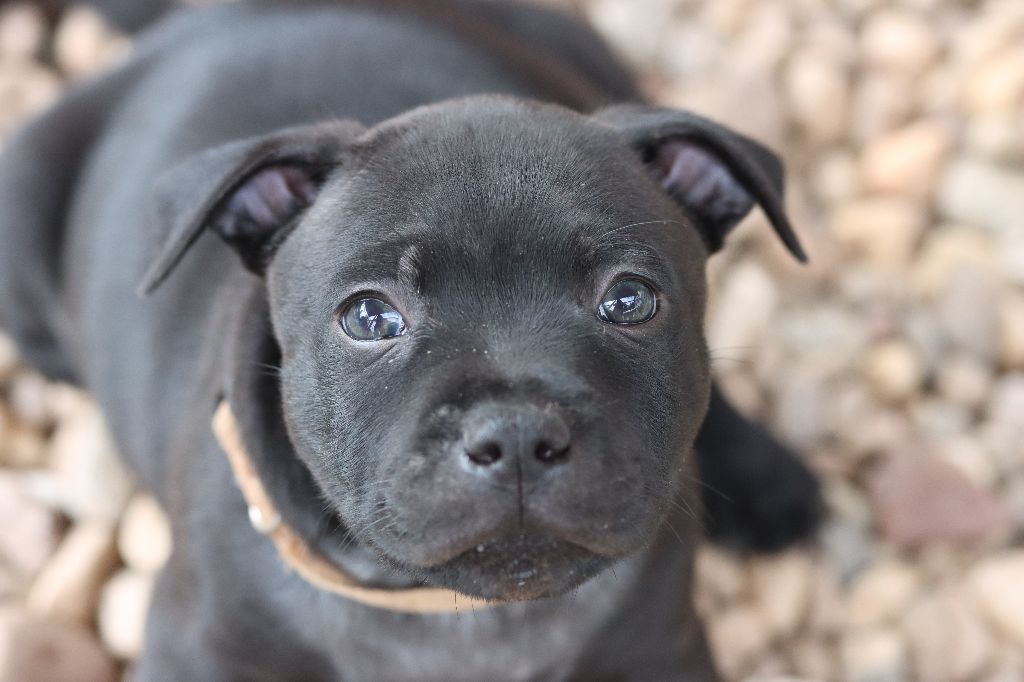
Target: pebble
28,534
87,479
84,45
920,499
620,24
836,177
122,613
884,230
32,650
738,638
997,84
144,537
745,309
970,457
964,380
817,89
893,369
721,575
880,104
881,593
782,590
996,137
1011,330
946,249
979,193
877,655
67,589
997,585
968,312
947,639
22,27
898,39
907,161
8,357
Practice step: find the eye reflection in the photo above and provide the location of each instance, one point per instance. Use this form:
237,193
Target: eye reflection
371,319
628,301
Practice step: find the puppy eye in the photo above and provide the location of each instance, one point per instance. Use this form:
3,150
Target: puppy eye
628,301
371,319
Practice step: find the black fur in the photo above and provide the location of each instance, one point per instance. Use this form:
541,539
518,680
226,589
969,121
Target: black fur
494,223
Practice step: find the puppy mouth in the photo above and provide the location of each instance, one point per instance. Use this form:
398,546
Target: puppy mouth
518,567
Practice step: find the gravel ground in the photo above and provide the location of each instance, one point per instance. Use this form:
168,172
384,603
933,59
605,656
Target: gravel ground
895,361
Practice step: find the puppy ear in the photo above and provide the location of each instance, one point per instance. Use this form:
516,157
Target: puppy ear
249,192
714,173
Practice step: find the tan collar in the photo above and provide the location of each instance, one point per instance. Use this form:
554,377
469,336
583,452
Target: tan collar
305,560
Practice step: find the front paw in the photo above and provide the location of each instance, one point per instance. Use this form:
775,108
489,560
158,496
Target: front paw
758,495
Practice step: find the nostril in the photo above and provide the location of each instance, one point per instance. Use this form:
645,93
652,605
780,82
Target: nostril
485,453
549,454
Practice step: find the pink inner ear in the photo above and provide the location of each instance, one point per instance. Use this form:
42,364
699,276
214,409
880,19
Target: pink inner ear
266,201
701,182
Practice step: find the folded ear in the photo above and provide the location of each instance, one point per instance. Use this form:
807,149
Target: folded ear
249,192
714,173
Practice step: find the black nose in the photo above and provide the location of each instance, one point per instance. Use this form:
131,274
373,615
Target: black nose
496,432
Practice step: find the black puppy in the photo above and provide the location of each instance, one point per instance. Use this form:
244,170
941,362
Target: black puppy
465,349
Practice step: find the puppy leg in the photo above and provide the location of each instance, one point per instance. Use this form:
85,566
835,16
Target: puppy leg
757,493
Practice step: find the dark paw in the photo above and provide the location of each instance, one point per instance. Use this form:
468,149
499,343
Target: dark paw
758,495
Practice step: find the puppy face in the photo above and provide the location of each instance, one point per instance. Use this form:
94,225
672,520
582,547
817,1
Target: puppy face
489,314
460,370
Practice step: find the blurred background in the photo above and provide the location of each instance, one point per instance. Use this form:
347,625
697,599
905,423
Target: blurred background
895,361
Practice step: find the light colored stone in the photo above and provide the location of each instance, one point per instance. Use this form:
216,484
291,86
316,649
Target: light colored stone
836,177
800,409
8,357
28,534
33,650
907,161
881,593
743,311
969,313
976,192
920,500
621,24
874,656
934,418
997,85
880,104
884,230
721,575
68,587
87,479
997,137
28,399
21,31
122,614
893,369
765,39
970,457
782,589
964,380
1011,331
738,638
25,89
947,249
84,45
847,545
817,89
144,538
947,639
997,585
20,447
898,39
812,659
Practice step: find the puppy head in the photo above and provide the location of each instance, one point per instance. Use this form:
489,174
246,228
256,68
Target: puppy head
489,314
